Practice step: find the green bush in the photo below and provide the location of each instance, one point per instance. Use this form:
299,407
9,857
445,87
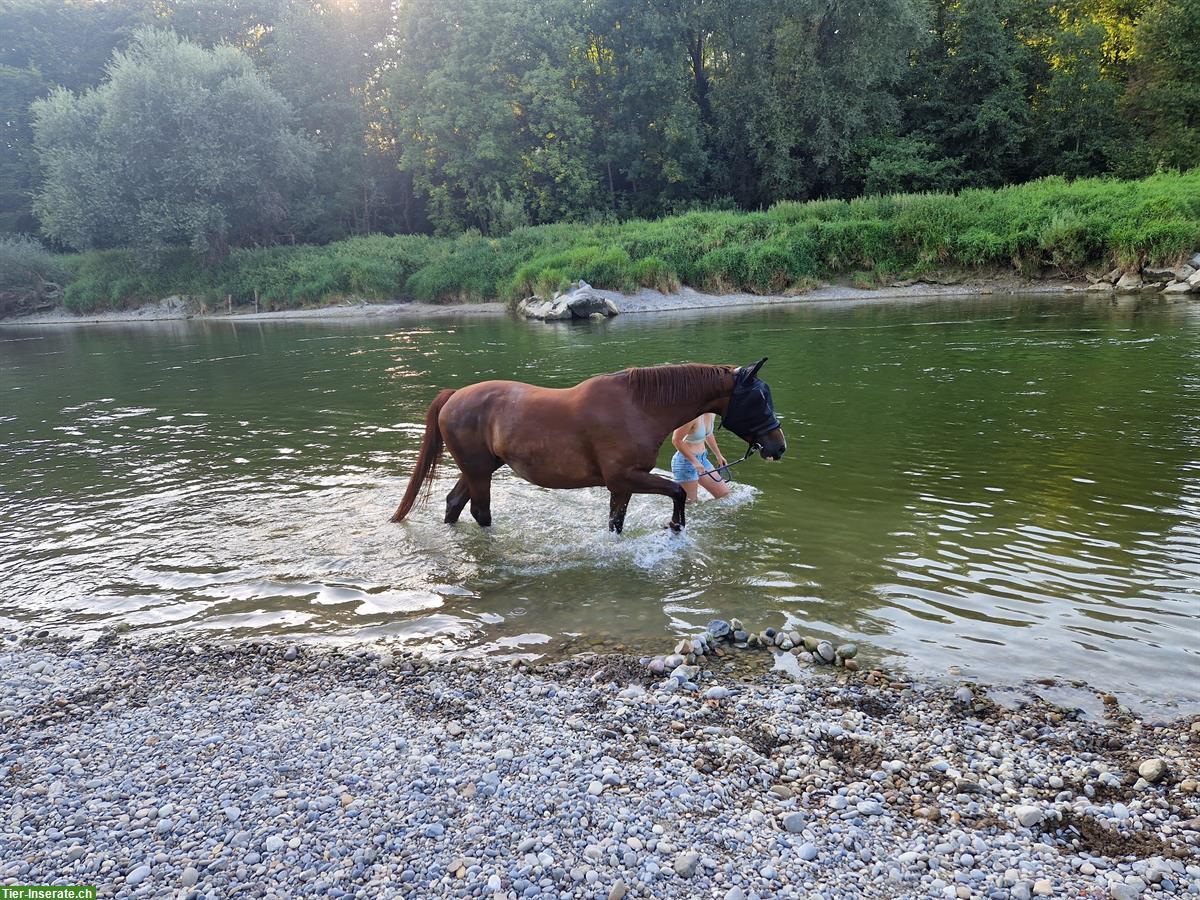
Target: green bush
1053,222
26,265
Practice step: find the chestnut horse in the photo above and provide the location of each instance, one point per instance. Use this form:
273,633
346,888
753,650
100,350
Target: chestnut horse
604,431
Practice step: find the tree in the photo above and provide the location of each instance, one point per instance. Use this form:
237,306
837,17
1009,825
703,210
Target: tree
644,106
1076,126
967,91
45,44
18,163
245,24
801,83
483,96
326,57
1164,90
178,146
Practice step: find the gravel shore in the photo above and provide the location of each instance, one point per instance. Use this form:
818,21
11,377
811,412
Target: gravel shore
644,300
275,770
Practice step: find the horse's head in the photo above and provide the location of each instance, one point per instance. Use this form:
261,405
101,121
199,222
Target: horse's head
751,415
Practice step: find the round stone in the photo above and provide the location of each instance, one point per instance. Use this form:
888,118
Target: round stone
1153,770
794,822
719,628
685,863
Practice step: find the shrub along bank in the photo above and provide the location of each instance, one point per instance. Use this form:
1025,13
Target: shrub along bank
1046,225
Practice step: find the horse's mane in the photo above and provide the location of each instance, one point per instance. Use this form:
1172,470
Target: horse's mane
667,385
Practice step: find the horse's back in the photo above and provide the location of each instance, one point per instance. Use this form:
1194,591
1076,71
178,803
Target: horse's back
548,436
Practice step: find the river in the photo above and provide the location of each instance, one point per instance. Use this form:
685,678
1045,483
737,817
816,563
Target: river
1002,488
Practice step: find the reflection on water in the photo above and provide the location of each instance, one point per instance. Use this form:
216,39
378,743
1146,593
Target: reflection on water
1008,486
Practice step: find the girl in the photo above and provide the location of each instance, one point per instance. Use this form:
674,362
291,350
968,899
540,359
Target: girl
690,465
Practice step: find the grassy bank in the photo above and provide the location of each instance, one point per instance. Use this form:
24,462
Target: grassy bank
1049,224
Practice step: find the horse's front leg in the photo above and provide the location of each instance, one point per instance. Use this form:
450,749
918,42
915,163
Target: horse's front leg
638,482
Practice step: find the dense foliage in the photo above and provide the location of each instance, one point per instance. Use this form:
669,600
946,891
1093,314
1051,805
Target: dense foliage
497,114
1049,224
178,146
25,265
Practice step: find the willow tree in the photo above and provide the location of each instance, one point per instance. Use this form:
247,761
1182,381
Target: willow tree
179,146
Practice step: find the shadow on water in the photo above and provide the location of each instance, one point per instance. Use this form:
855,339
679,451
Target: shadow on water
1010,487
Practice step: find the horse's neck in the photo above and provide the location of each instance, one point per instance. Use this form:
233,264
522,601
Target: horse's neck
686,411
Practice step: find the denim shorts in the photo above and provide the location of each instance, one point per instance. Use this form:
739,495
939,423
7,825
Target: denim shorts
682,469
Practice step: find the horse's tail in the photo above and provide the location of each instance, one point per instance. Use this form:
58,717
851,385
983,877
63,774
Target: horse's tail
427,460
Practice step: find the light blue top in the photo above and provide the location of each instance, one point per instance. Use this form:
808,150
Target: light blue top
698,436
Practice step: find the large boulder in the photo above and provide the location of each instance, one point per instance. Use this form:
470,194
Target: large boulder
1179,287
1194,279
1130,281
1163,273
581,301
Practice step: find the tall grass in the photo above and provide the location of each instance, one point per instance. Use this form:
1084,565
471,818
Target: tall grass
1052,223
25,265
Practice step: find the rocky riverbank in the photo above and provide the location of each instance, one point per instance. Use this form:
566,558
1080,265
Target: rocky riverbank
284,770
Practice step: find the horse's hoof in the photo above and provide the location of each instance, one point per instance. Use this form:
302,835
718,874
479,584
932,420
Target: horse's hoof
674,526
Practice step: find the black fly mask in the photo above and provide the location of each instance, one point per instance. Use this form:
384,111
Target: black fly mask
750,414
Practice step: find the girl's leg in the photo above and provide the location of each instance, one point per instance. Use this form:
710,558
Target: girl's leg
684,474
718,489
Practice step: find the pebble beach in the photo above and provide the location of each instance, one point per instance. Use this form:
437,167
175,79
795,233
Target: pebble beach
280,770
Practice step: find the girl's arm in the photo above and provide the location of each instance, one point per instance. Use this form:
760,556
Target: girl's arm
678,442
711,442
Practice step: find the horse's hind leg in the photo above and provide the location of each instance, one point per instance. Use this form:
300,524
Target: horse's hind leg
457,499
618,505
476,485
481,497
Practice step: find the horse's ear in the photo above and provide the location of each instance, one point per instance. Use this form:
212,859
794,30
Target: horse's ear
754,368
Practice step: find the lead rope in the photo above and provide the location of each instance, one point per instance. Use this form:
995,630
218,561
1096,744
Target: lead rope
750,448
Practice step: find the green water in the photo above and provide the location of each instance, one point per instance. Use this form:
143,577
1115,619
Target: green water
1010,487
